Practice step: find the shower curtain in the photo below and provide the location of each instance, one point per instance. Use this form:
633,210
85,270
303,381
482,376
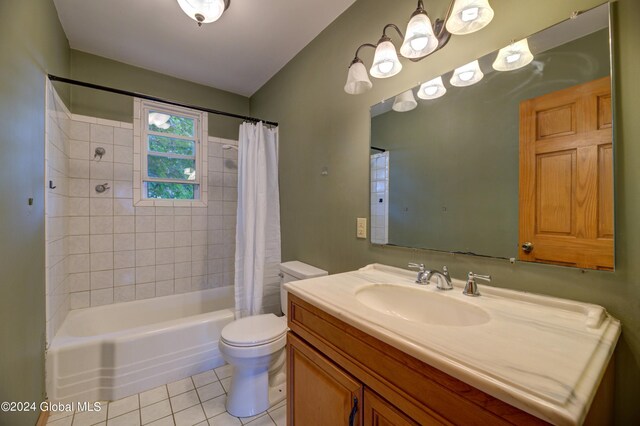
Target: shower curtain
257,284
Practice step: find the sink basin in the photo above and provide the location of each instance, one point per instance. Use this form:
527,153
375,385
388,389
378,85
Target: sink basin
420,305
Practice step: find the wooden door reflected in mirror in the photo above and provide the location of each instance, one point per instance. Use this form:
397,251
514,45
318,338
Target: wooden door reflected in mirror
566,177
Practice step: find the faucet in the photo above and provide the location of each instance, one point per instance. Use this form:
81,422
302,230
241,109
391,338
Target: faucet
444,279
421,272
471,288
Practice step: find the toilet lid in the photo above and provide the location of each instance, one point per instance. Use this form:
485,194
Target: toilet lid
254,330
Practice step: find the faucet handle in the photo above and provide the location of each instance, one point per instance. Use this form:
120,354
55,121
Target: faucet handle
418,266
471,288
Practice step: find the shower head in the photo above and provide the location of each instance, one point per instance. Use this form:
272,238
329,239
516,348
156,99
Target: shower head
229,147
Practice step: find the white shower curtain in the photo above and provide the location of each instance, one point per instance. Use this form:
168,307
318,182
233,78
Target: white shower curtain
258,221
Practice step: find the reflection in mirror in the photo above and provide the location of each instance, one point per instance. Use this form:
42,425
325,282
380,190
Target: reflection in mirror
509,156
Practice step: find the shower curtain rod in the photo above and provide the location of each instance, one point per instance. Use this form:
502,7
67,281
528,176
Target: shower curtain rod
154,98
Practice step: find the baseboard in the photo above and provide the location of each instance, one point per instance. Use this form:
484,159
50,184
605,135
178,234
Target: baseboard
42,418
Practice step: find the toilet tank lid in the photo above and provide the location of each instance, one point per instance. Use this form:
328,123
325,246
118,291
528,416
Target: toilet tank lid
254,330
301,270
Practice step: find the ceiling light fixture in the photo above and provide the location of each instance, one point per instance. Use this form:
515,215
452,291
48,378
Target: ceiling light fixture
404,102
467,75
204,11
423,37
513,57
432,89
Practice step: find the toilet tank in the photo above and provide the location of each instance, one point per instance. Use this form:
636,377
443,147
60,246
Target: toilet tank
295,271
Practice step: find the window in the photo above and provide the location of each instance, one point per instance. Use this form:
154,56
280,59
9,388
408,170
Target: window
171,153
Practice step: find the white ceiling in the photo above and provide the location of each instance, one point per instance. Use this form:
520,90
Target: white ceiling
250,43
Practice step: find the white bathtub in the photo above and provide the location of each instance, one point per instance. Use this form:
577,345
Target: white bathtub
110,352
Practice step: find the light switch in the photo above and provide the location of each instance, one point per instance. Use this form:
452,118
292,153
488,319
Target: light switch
361,227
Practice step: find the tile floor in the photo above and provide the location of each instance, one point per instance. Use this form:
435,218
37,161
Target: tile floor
195,401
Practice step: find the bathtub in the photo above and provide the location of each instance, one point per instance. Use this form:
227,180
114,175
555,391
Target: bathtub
110,352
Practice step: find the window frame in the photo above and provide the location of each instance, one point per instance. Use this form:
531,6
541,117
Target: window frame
142,108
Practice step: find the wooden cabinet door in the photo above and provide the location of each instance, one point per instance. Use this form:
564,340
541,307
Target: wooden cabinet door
318,392
566,177
378,412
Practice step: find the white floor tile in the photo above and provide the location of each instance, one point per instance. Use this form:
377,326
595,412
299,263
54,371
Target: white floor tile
215,406
204,378
155,411
226,384
210,391
224,419
205,423
130,419
184,401
60,421
88,418
190,416
154,395
278,405
224,371
165,421
279,416
262,421
122,406
59,415
181,386
246,420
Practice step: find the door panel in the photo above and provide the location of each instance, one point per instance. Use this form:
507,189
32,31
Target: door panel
566,177
319,393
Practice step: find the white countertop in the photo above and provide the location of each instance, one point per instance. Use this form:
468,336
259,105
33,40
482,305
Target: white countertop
541,354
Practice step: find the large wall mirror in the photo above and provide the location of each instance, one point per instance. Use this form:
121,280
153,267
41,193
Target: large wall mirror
514,163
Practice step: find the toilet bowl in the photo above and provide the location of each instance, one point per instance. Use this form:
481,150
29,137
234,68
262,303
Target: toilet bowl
255,347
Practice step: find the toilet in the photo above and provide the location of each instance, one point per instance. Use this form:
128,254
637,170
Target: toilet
255,345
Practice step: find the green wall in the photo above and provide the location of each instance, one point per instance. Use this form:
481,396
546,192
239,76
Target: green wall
453,174
32,43
322,126
107,72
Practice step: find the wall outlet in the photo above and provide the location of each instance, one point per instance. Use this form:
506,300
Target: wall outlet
361,227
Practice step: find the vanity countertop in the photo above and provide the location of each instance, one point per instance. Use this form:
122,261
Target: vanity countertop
541,354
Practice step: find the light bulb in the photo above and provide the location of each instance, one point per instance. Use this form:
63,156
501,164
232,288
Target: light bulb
513,58
419,43
466,76
469,14
431,90
385,66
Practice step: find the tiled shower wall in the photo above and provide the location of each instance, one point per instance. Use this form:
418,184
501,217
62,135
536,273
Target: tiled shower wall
118,252
100,249
380,198
56,210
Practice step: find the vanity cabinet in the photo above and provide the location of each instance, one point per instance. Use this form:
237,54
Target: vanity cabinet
331,362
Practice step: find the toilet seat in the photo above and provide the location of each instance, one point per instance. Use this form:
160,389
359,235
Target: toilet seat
257,330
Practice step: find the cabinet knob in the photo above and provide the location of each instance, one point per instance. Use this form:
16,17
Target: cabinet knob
527,247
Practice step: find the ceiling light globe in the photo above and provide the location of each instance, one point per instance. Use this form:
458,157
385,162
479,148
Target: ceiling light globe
203,11
467,75
432,89
385,62
513,57
357,80
404,102
419,40
469,16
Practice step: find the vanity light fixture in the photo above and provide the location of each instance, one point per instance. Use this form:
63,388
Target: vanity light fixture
467,75
385,62
469,16
432,89
423,37
204,11
404,102
513,57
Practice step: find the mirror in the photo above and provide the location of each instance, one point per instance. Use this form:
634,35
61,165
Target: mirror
500,167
